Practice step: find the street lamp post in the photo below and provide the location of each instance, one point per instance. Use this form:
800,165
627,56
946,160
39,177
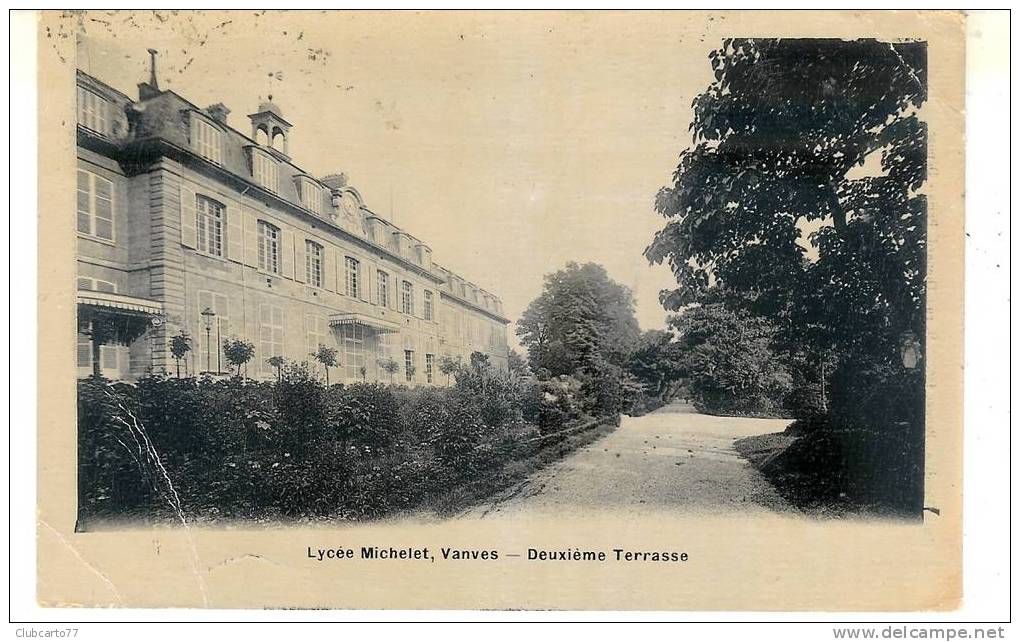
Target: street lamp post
911,357
910,350
219,349
207,317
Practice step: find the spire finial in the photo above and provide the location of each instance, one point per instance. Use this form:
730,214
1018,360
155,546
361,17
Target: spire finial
152,70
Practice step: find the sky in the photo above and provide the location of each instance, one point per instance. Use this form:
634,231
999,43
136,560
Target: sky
511,142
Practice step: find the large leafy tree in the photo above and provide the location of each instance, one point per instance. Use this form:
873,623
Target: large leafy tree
582,320
728,359
656,362
768,209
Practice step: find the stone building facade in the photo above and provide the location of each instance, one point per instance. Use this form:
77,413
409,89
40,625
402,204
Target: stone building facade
187,225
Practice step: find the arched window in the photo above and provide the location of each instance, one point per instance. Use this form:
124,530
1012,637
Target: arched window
262,135
279,139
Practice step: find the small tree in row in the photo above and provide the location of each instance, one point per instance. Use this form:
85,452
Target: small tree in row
327,356
277,362
238,352
389,366
180,346
448,365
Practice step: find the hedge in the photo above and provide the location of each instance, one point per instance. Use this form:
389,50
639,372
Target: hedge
205,449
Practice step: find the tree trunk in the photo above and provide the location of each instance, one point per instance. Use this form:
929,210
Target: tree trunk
837,211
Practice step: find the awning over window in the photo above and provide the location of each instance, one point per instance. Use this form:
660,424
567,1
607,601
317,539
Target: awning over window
129,304
355,318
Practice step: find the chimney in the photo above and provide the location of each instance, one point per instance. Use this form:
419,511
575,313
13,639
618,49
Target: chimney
334,181
151,88
218,112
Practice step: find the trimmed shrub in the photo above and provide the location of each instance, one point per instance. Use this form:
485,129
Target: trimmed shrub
201,448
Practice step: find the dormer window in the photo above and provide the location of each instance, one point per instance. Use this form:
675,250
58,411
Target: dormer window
265,170
311,195
206,140
92,111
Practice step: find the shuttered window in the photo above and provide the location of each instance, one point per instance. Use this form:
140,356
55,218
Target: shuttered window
265,170
316,333
206,140
210,354
97,285
84,351
270,334
95,205
92,111
311,195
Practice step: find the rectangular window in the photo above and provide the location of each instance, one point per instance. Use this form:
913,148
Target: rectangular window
209,226
316,333
354,352
383,353
313,263
409,365
382,288
108,357
92,111
428,305
351,267
407,298
270,334
269,247
95,205
265,171
205,139
430,363
212,330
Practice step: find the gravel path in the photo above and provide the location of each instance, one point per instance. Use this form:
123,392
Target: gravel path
672,459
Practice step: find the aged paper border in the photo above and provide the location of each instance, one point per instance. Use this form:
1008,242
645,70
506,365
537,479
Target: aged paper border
759,564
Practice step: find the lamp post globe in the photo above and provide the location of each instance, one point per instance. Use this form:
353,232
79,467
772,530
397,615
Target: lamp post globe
910,351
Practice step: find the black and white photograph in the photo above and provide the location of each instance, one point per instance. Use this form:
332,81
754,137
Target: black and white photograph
394,288
262,338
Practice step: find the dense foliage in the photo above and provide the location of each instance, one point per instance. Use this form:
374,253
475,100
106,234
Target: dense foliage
799,204
728,361
777,136
581,318
581,330
201,448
